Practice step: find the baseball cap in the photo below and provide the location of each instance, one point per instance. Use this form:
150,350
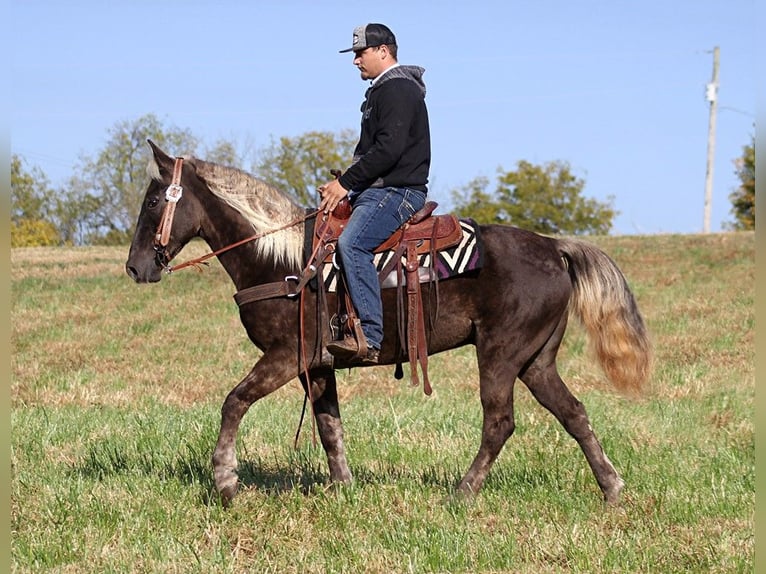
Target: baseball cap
369,36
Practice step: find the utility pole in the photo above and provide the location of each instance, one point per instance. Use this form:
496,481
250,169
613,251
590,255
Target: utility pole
711,94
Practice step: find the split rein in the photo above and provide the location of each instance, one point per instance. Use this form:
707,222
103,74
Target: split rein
173,194
161,239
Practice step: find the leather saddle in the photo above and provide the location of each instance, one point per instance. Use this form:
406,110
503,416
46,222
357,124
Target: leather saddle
423,233
429,232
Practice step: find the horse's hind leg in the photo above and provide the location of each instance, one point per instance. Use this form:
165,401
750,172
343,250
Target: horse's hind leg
273,370
496,380
544,382
327,413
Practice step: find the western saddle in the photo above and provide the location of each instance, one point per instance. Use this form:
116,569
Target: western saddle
423,233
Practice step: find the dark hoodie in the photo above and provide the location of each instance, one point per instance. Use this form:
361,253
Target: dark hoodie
394,148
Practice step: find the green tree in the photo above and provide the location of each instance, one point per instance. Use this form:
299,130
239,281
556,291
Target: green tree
743,198
105,192
224,152
300,164
78,213
32,206
542,198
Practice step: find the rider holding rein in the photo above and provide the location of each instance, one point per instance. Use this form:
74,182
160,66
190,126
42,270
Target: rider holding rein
386,182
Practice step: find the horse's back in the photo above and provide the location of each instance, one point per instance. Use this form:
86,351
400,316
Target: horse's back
521,264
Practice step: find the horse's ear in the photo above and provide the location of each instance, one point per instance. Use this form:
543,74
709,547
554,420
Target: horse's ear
163,162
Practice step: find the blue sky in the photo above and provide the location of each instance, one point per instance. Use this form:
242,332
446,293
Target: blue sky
615,88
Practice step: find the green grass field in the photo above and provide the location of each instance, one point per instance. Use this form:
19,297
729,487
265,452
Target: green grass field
116,392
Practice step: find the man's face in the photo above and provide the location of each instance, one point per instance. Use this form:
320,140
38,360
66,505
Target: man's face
371,62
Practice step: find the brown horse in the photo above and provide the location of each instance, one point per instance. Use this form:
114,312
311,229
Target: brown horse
514,310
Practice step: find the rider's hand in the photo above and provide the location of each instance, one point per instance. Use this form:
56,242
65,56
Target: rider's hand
331,192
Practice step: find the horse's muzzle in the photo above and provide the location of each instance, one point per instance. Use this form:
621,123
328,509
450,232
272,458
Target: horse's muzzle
143,273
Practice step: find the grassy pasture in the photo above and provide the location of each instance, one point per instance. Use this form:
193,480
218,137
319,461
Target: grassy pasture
115,400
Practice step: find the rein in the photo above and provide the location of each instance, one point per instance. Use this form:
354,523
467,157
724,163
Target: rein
196,262
161,239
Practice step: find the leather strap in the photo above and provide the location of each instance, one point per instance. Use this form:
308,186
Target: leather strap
284,288
412,328
172,195
265,291
416,330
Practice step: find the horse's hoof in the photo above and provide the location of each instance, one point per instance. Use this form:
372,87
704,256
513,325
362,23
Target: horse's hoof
465,491
612,495
227,487
456,498
227,495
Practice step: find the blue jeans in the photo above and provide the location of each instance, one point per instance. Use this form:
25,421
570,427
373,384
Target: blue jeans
376,214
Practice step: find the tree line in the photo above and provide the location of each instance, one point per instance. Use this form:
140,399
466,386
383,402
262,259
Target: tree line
99,204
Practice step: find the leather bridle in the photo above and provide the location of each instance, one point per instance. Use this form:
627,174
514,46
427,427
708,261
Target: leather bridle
173,194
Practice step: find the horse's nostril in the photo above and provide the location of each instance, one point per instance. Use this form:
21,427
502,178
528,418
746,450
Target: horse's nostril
131,271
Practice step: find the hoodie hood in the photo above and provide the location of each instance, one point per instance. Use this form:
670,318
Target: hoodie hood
412,73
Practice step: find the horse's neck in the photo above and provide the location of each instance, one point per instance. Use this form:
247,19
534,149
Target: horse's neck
269,256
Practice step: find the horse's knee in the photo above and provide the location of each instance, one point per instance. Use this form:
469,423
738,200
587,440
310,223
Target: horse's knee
233,408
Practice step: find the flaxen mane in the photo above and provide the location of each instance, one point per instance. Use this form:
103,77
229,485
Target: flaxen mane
261,204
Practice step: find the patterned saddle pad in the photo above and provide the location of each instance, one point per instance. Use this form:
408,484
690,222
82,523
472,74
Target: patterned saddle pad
468,255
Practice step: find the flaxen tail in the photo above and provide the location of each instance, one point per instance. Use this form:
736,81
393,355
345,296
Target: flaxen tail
604,304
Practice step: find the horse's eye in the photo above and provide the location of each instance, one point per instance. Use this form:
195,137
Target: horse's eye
152,202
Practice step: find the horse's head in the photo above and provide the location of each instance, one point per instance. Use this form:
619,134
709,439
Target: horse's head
148,255
223,205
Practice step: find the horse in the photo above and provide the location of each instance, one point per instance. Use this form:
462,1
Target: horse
514,310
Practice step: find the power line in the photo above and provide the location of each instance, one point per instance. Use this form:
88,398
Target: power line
40,156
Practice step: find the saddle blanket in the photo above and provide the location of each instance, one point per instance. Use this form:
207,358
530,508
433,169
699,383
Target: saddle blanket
468,255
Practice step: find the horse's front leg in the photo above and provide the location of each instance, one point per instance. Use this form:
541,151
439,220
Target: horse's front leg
275,368
329,425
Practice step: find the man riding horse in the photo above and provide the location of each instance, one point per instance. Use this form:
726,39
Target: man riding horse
386,182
